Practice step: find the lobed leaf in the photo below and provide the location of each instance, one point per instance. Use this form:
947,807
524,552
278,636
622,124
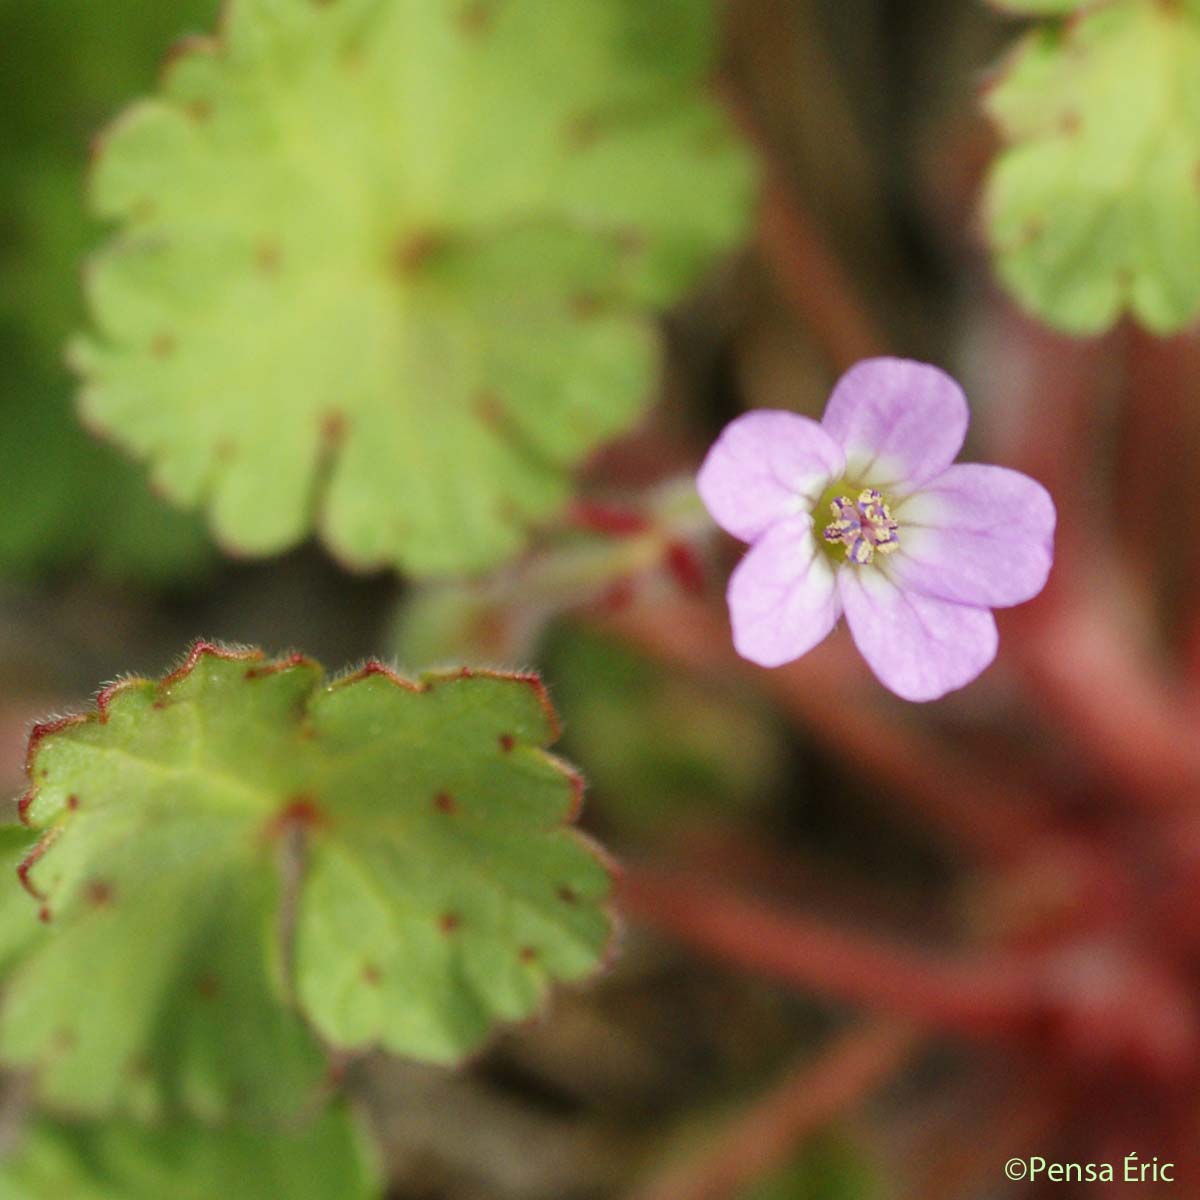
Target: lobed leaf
441,890
1094,208
386,266
119,1160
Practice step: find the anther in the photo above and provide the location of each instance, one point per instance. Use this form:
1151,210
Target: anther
865,527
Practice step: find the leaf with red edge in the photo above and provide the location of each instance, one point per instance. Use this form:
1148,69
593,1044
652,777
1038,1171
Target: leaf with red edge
441,888
390,269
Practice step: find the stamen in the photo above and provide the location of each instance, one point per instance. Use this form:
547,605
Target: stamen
865,527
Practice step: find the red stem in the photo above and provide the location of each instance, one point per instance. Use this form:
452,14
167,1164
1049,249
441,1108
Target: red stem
1135,730
1084,644
811,279
967,998
764,1137
1157,442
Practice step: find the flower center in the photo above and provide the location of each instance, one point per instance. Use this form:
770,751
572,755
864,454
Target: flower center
865,527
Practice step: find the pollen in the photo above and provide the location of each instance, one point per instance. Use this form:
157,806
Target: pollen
865,527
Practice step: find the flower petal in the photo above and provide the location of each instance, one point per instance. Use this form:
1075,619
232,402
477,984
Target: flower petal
766,465
782,595
918,646
900,423
977,534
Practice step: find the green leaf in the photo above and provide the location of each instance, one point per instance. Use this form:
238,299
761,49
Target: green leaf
120,1160
69,499
441,889
1093,210
385,266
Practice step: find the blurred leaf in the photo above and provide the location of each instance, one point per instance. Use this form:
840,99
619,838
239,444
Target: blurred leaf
69,499
1092,210
328,1160
386,267
831,1167
659,746
441,888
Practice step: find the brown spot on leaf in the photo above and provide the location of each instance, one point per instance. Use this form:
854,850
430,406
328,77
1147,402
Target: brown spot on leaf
449,922
445,802
99,893
632,241
568,895
507,742
1070,123
371,974
45,915
582,131
300,812
268,256
414,251
490,410
475,17
1031,231
163,346
208,986
333,427
585,306
199,110
528,954
72,802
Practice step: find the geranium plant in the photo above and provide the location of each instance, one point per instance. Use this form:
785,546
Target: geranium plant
718,790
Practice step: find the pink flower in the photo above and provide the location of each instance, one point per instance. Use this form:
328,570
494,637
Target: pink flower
867,514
